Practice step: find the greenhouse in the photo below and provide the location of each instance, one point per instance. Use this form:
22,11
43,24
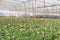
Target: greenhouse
29,19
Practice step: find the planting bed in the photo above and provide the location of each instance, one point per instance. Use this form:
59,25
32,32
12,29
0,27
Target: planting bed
29,29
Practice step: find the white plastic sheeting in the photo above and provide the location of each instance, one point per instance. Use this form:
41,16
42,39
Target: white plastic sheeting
11,13
17,7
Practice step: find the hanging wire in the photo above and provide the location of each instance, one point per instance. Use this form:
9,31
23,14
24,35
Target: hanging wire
19,10
1,1
54,19
12,9
55,9
16,11
57,12
35,7
44,8
24,9
44,21
32,7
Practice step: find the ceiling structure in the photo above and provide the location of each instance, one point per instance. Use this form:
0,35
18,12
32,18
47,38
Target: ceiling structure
37,6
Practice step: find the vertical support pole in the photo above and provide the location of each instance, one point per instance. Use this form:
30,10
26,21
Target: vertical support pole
16,12
25,9
44,21
33,11
44,8
19,10
34,8
56,12
1,1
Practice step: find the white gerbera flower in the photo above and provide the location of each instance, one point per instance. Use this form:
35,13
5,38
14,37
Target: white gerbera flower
37,32
31,14
8,24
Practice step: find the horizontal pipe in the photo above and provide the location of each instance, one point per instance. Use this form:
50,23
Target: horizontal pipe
14,13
